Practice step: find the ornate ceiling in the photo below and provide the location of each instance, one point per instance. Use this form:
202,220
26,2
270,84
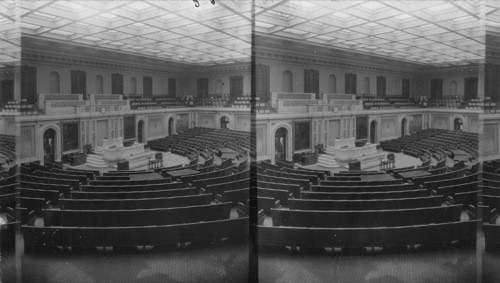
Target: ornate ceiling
437,33
10,39
493,32
171,30
431,33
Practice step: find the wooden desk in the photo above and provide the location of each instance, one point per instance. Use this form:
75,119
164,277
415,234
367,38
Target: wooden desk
182,172
376,177
413,174
308,159
458,152
77,160
228,156
461,158
146,176
225,150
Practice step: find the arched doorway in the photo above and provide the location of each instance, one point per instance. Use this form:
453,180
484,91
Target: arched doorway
403,127
49,146
224,122
280,140
373,132
171,126
457,124
140,132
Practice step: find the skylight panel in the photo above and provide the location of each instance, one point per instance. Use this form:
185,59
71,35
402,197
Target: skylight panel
372,5
342,15
304,4
138,5
192,26
108,16
439,8
316,24
168,16
296,31
324,37
82,24
91,38
278,13
61,32
426,27
403,17
29,26
69,5
43,15
350,42
5,21
462,19
262,24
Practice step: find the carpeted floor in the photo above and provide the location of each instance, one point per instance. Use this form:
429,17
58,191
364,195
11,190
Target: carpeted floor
227,263
491,267
452,265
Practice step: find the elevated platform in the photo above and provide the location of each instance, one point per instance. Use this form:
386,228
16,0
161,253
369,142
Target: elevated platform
113,152
345,151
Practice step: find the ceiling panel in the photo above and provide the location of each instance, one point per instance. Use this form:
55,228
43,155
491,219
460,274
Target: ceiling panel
207,35
10,46
436,33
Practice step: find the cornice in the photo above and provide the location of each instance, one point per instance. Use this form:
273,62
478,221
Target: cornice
263,57
37,50
66,61
222,69
452,71
7,71
287,51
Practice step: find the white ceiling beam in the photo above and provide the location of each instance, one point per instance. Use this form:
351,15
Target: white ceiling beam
33,6
260,4
466,7
235,8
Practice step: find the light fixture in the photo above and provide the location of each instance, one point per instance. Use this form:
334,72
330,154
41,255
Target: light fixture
197,4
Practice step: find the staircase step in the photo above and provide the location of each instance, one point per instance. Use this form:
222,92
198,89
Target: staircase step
95,159
327,160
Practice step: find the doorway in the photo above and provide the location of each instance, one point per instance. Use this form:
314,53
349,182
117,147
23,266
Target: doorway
224,123
457,124
280,141
403,127
49,146
140,132
171,126
373,132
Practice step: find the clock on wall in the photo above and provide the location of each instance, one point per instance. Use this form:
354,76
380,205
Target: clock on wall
103,110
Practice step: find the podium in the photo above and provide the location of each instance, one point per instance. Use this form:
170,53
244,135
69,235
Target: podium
122,165
355,166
